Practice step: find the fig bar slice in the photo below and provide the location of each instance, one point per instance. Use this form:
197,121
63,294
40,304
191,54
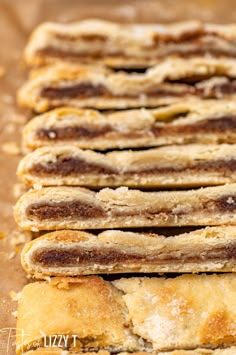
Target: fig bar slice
198,121
101,88
73,253
127,46
171,166
130,314
77,208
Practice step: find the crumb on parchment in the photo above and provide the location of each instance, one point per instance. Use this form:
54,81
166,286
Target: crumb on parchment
2,71
11,148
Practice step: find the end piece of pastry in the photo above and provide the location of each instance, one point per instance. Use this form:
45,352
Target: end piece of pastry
134,314
189,121
127,46
171,166
66,207
96,87
72,253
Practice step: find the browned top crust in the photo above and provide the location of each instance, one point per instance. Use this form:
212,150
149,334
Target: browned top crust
122,45
170,80
131,314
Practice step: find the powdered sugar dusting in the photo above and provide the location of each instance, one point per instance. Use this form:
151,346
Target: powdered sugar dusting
156,329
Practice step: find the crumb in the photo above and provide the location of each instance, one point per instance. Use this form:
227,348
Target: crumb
37,186
17,118
11,148
2,235
11,255
18,189
2,71
19,238
15,296
15,313
17,250
8,99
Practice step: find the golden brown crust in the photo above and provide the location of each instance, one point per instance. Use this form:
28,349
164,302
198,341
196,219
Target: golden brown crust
135,314
127,46
72,305
73,253
65,207
173,166
101,88
188,121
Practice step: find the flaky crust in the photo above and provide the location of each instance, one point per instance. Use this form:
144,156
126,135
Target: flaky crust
65,253
97,87
135,314
172,166
189,121
127,46
77,208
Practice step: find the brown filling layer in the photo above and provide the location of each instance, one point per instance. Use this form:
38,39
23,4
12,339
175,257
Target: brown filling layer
197,39
87,90
70,166
99,54
211,125
71,209
65,166
78,256
82,90
84,210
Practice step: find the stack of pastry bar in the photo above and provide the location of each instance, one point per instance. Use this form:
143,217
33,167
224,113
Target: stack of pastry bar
139,133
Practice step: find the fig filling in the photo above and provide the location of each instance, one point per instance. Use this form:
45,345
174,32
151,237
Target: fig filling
84,210
76,256
211,125
65,166
70,209
85,90
201,44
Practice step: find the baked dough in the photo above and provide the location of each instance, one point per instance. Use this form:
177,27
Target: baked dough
96,87
127,46
171,166
53,351
189,121
66,207
73,253
134,314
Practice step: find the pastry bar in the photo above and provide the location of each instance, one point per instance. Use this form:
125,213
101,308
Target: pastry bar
170,166
58,351
127,46
133,314
71,253
102,88
66,207
209,121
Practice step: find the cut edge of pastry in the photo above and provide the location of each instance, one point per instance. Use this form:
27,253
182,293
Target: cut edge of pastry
73,253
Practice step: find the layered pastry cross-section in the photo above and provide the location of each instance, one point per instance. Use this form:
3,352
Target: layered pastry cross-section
171,166
79,208
72,253
189,121
133,314
127,46
97,87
